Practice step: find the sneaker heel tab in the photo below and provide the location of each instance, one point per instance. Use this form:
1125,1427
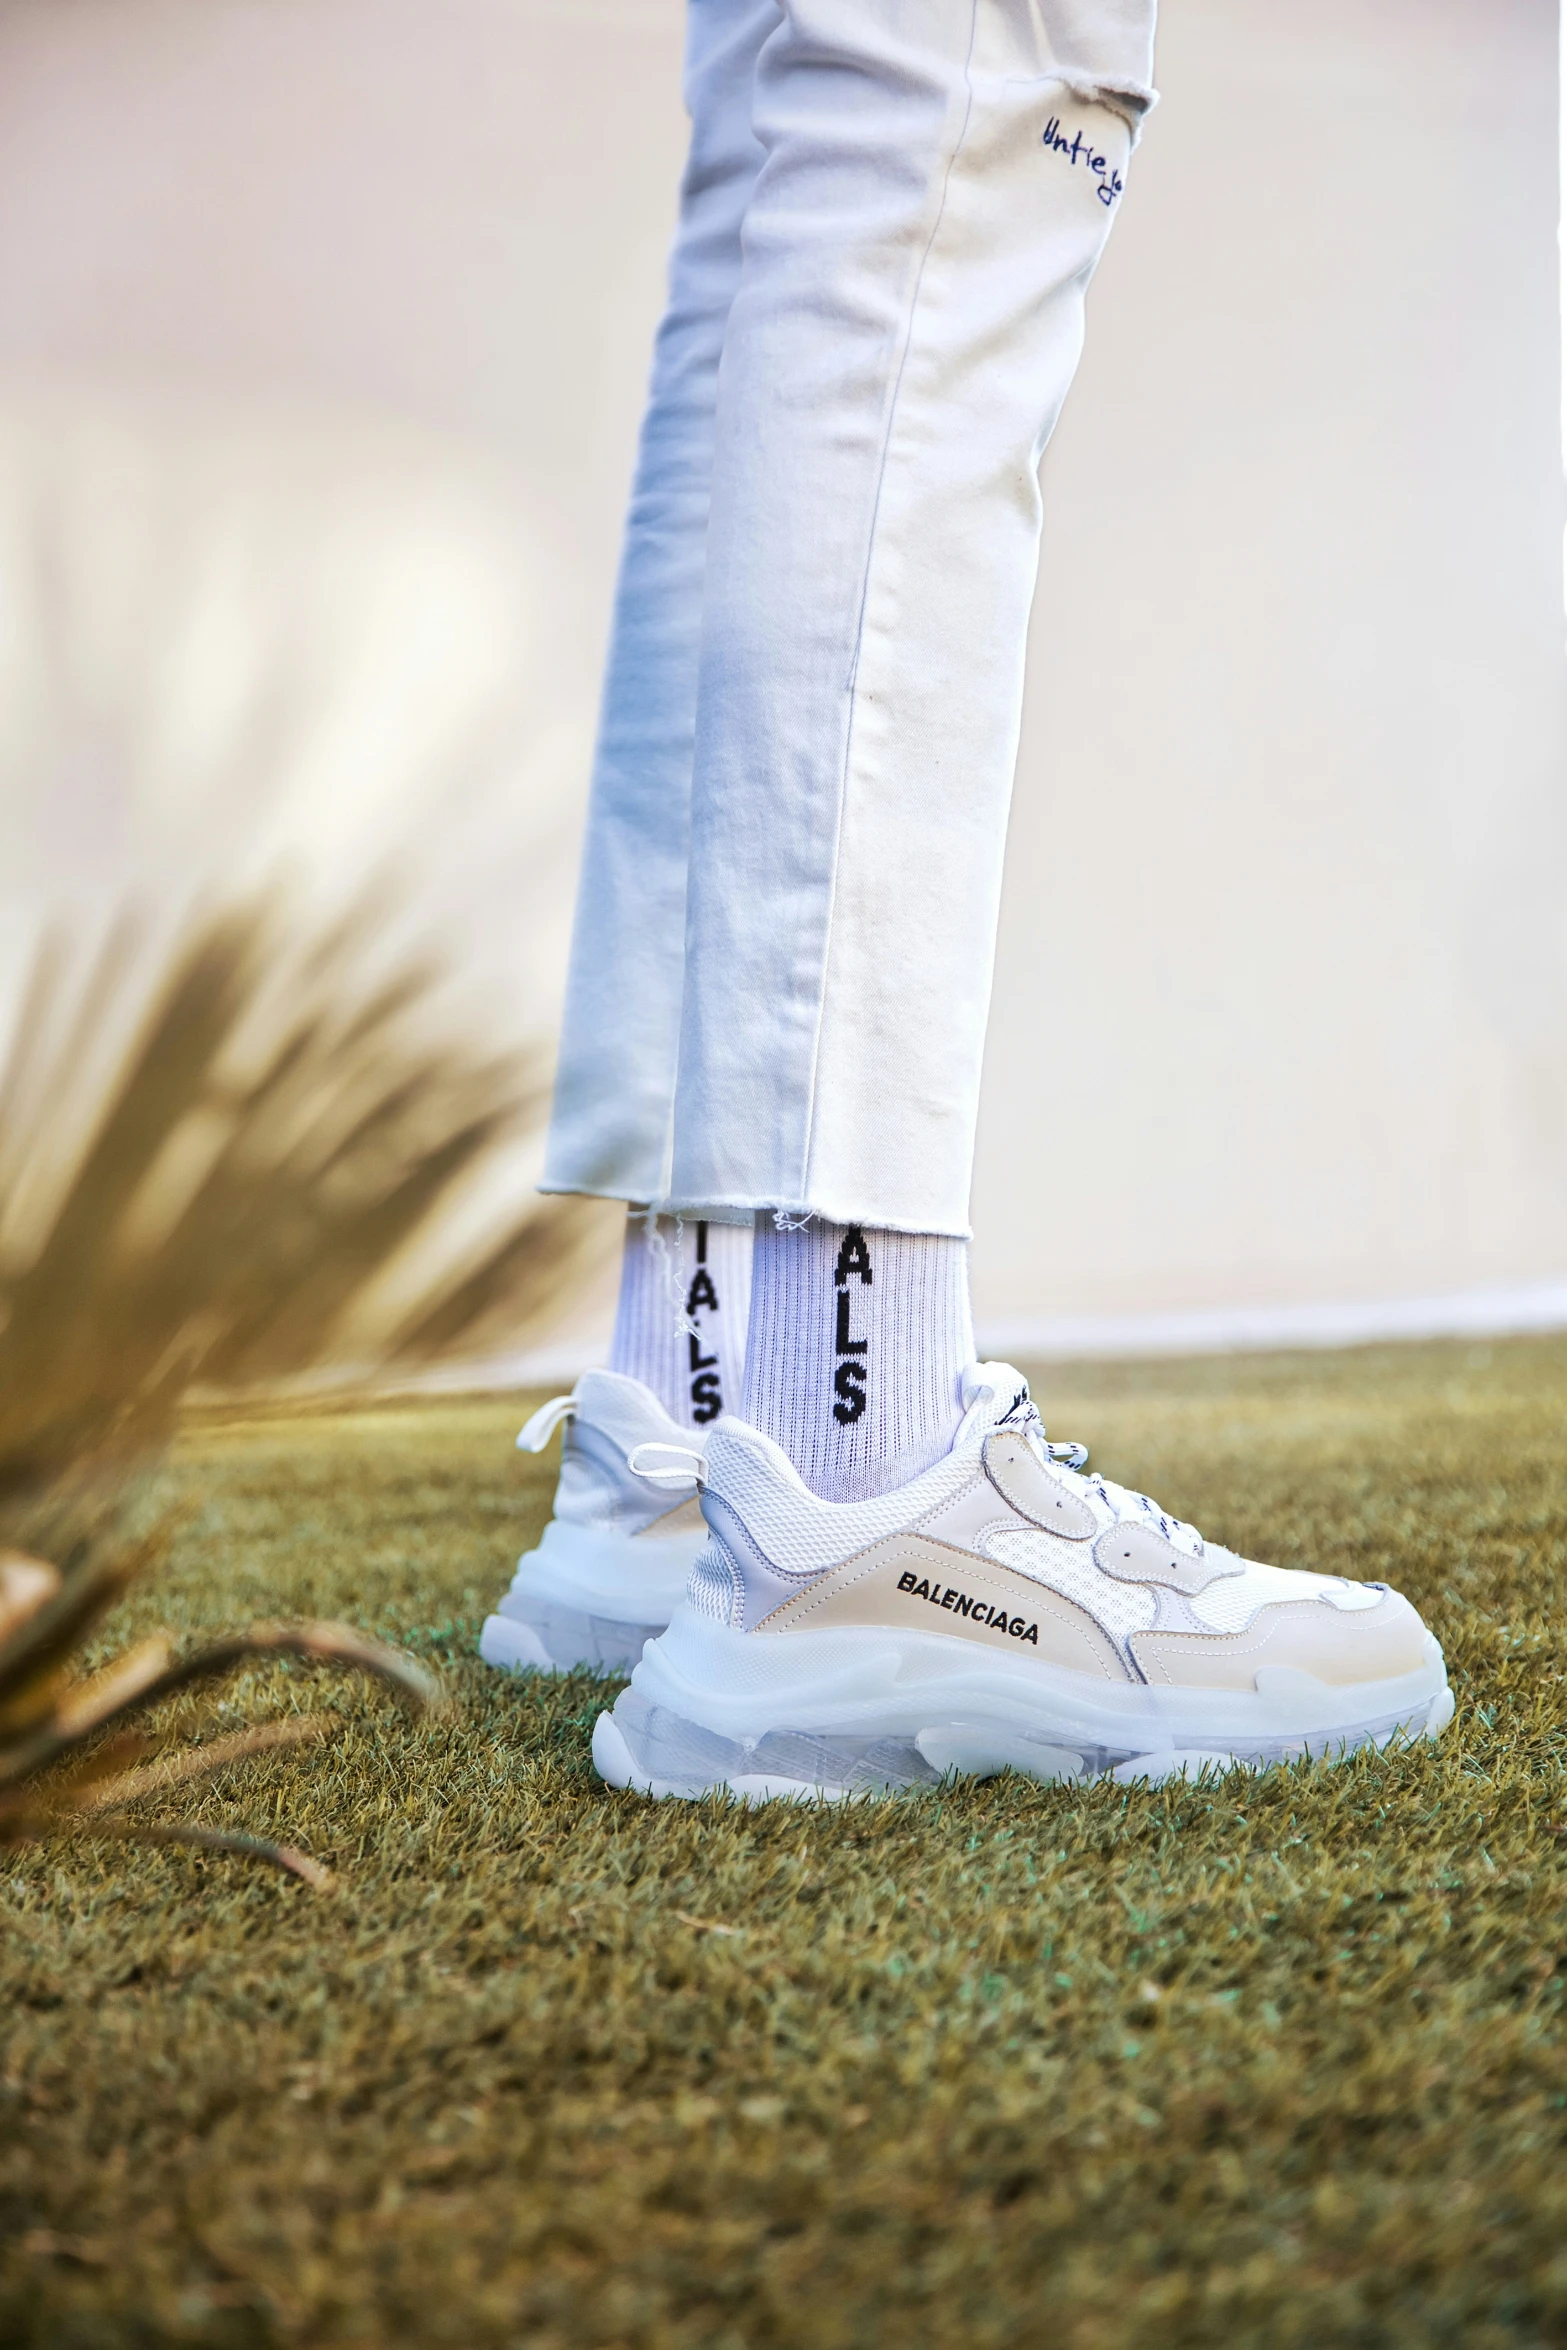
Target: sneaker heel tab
535,1435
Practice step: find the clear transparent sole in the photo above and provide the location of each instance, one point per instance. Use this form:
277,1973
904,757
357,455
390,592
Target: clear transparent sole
548,1638
656,1751
588,1599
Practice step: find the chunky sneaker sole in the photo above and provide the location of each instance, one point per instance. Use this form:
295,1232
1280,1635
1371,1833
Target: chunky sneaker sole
588,1597
1002,1612
859,1712
612,1564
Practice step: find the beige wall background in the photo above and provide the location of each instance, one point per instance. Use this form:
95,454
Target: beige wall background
323,326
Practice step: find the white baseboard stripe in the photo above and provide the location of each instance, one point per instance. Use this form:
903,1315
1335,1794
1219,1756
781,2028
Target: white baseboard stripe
1500,1311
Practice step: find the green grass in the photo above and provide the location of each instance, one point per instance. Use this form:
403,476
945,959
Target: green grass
1275,2061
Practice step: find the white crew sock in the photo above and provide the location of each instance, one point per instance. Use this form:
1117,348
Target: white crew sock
856,1350
680,1322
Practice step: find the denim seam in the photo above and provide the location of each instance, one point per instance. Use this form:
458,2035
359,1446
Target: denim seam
809,1139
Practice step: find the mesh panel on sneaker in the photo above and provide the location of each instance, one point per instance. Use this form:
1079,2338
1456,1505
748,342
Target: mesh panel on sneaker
711,1590
1068,1567
803,1535
1229,1604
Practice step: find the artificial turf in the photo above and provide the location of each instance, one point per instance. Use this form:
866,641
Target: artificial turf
1263,2061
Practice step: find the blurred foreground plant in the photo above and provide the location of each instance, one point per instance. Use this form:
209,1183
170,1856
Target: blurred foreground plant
58,1769
241,1183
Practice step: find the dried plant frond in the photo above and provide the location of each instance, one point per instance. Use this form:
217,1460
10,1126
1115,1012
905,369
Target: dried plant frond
25,1584
148,1674
54,1778
35,1658
61,1770
283,1129
287,1857
236,1171
89,1790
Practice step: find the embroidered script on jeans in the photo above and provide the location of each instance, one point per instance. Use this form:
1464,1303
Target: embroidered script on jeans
848,1380
1077,150
707,1396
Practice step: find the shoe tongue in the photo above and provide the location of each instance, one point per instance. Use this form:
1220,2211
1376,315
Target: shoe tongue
996,1396
1022,1412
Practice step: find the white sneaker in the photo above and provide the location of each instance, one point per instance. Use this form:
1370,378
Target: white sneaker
612,1564
1082,1633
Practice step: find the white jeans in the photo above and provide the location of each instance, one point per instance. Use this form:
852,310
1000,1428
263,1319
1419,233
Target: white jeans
785,933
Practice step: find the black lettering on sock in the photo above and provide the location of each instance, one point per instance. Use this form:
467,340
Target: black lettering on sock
707,1399
849,1388
846,1344
849,1380
707,1396
853,1257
